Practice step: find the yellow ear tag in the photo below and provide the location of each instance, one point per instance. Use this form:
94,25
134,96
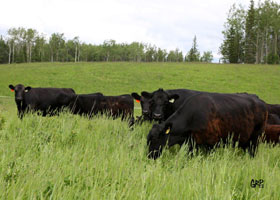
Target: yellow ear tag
25,90
171,100
167,131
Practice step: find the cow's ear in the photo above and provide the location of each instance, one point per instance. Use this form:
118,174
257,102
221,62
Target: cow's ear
26,89
136,96
172,98
11,87
146,94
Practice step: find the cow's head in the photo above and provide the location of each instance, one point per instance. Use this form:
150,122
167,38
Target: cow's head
20,91
157,138
160,102
145,105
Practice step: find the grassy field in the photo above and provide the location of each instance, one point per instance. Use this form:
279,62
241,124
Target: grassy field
71,157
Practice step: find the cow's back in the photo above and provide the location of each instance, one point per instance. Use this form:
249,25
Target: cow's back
86,103
45,98
183,95
213,116
120,105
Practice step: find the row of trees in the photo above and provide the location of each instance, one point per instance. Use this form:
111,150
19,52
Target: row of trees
28,45
253,35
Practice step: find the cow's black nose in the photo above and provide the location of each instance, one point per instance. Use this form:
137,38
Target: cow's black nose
18,99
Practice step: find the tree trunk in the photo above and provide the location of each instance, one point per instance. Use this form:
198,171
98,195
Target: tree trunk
257,49
76,53
51,56
107,57
13,53
30,53
27,52
10,52
275,43
262,47
266,46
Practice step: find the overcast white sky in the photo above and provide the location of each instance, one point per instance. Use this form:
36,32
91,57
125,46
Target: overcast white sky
168,24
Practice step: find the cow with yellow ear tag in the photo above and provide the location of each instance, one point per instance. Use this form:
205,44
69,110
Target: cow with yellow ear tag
209,119
163,103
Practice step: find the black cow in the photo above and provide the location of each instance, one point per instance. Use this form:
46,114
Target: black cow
48,101
160,104
145,106
164,103
92,104
208,118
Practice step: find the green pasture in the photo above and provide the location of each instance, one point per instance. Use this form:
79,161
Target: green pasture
72,157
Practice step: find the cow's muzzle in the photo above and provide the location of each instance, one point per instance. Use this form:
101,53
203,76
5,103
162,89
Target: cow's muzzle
157,116
19,99
145,112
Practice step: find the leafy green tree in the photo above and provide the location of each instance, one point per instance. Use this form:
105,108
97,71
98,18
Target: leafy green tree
39,49
161,55
4,51
57,43
150,53
27,45
16,45
193,54
179,55
272,58
207,57
250,35
108,48
29,37
171,57
232,48
136,52
77,48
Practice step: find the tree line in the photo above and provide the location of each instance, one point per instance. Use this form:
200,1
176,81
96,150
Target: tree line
28,45
252,35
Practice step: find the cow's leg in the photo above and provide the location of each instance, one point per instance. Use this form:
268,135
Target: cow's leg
131,122
19,110
192,146
252,146
254,139
44,113
139,120
20,114
22,111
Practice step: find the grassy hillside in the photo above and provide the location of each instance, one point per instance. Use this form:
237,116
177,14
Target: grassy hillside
69,157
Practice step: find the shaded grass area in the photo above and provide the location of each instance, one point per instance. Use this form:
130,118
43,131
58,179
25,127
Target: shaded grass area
71,157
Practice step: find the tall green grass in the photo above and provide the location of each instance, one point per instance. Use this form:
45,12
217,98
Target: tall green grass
72,157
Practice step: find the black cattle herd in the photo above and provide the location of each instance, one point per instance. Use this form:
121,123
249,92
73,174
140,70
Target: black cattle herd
180,115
